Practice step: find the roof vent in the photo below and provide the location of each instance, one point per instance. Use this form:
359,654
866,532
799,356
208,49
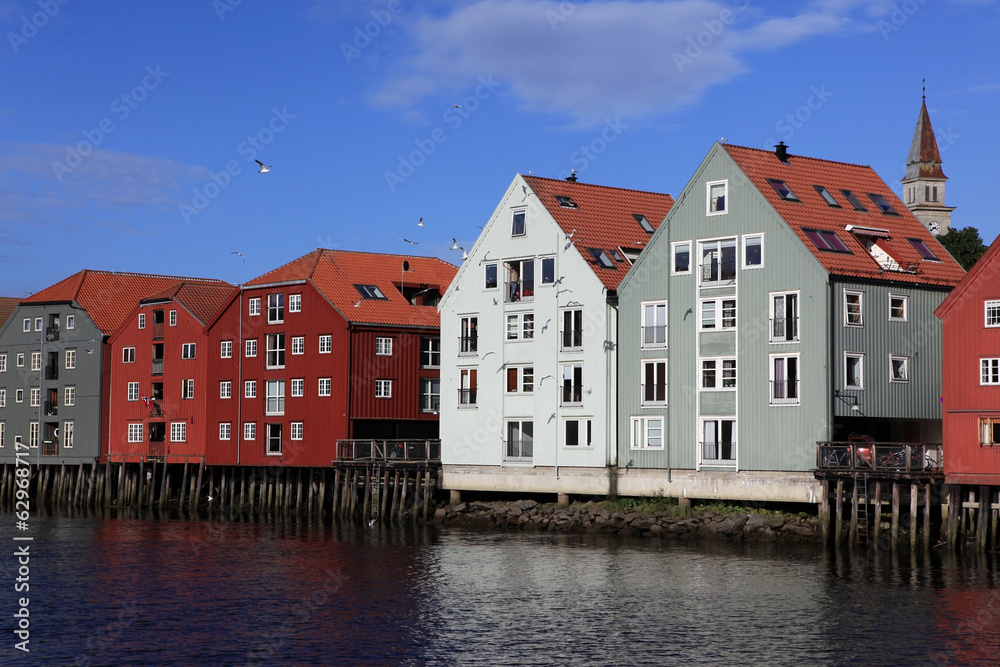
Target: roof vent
572,176
781,151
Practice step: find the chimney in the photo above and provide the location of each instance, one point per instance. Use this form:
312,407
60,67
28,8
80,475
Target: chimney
571,178
781,151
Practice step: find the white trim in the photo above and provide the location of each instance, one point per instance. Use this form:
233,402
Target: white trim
906,369
725,197
643,422
719,462
906,307
770,316
861,308
787,401
743,257
673,257
719,379
643,345
992,365
861,374
642,382
986,313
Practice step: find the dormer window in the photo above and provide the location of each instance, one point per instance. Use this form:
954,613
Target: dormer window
601,258
369,292
827,197
853,200
565,202
826,240
882,204
641,219
924,251
517,225
717,196
783,190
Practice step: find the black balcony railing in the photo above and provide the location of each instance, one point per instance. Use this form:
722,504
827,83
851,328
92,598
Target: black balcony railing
389,450
718,273
469,344
784,392
572,394
157,366
572,339
654,394
51,334
51,408
654,336
50,448
520,450
466,397
784,329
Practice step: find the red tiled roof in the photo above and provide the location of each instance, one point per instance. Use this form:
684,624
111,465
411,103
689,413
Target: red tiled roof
603,219
802,174
7,306
978,272
203,300
108,297
336,272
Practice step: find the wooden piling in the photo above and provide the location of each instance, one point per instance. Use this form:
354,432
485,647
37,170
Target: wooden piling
824,512
927,515
984,513
914,492
954,508
877,506
894,534
322,493
853,533
196,495
838,529
366,510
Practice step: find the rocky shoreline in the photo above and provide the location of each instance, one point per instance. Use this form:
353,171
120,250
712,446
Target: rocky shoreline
671,522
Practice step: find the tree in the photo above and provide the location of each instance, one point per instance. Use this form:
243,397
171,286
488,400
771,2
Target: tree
965,245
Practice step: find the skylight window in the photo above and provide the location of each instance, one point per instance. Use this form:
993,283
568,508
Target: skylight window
617,255
602,258
641,219
827,197
924,251
565,202
853,200
826,240
370,291
882,204
783,190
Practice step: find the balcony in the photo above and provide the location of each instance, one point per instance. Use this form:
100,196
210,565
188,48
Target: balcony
51,334
52,372
520,290
784,329
157,366
572,339
654,394
866,456
157,447
51,409
718,274
157,330
50,448
468,346
389,451
655,336
718,453
784,392
466,398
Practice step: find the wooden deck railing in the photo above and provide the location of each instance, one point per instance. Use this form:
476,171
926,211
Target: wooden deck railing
897,457
389,450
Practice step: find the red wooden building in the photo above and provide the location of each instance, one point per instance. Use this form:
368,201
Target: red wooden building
159,385
332,345
970,318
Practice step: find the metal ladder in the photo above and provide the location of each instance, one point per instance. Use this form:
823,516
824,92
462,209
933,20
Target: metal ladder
862,511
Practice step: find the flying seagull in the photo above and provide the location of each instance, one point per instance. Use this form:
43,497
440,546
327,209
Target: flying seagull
456,106
570,235
237,252
410,242
421,223
454,243
263,169
465,255
358,303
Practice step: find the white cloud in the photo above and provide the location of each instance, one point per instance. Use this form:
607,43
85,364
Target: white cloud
590,60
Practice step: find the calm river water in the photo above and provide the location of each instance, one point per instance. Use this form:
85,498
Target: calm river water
171,591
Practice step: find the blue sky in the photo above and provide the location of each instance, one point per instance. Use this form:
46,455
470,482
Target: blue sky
128,130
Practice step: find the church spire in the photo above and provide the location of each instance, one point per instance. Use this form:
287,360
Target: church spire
924,181
924,159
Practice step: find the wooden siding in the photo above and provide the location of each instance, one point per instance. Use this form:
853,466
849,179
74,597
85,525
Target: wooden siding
402,367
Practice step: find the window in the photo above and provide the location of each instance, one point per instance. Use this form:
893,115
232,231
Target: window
469,336
69,396
897,307
275,351
826,240
853,309
3,434
572,385
783,190
753,251
989,431
572,329
251,347
491,276
250,389
71,321
38,324
718,314
3,398
711,370
19,396
325,343
68,435
383,388
20,360
253,306
785,379
989,371
992,314
520,440
716,197
520,379
718,443
36,361
225,430
924,251
226,350
654,382
520,280
187,389
520,326
548,270
275,308
26,325
178,431
430,395
565,202
275,401
827,197
36,397
577,436
369,292
226,389
682,257
854,377
654,324
430,352
32,434
467,387
898,368
882,204
324,386
142,320
135,432
3,363
298,345
853,200
173,318
383,346
133,391
250,431
187,351
296,433
718,262
298,387
647,433
784,317
295,303
601,258
517,224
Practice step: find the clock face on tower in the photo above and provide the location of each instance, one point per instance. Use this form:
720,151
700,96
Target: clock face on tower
934,228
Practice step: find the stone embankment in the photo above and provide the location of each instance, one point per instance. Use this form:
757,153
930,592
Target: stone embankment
674,522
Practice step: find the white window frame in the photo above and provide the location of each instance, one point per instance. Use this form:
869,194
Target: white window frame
431,349
298,388
133,391
861,370
643,400
861,308
19,395
652,310
725,197
524,326
295,431
640,429
276,308
270,438
35,397
253,306
325,343
495,267
251,348
468,337
584,433
3,398
189,350
906,307
142,320
274,397
525,382
325,386
718,311
173,318
128,355
468,392
905,366
71,321
383,346
785,400
428,395
295,303
39,322
3,434
19,359
178,431
571,368
225,430
719,367
69,396
718,462
298,345
135,432
249,430
573,332
383,388
33,434
225,389
991,319
674,246
68,434
187,389
508,456
26,325
743,258
36,361
717,245
524,222
3,362
274,350
226,349
989,371
250,389
772,316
